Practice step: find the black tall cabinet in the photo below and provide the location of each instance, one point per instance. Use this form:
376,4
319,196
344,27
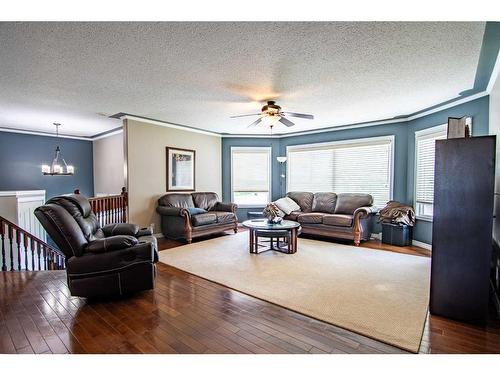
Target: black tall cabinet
464,182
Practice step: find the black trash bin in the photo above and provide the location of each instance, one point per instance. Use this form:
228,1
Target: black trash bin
397,234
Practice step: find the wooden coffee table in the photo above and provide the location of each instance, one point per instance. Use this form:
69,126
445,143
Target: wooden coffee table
282,236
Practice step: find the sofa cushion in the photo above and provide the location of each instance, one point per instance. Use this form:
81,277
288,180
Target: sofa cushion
293,215
179,200
347,203
324,202
303,199
224,217
311,218
287,205
204,219
196,211
338,220
205,200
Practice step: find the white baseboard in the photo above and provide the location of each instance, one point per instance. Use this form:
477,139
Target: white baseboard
376,236
424,245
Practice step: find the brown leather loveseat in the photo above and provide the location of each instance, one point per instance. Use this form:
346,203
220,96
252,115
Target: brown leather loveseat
185,216
345,216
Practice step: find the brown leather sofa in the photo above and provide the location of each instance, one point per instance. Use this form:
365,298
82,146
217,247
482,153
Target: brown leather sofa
177,222
344,216
115,259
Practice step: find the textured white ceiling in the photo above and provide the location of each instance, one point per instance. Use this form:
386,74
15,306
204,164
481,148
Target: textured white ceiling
199,74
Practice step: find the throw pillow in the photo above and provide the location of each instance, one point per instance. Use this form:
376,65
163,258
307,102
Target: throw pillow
287,205
196,211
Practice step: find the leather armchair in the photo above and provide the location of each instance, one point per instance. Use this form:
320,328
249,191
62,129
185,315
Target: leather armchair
178,223
116,259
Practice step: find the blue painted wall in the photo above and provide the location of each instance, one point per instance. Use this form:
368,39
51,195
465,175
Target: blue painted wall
227,143
21,157
404,152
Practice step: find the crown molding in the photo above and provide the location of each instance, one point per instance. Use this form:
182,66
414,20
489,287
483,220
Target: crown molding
109,133
127,116
494,74
448,105
43,134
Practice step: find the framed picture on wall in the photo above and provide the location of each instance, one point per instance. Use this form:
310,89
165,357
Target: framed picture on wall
180,169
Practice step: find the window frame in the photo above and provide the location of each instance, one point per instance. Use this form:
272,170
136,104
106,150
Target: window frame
268,150
437,129
391,138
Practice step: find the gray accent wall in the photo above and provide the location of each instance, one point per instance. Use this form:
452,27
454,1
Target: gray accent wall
404,152
22,155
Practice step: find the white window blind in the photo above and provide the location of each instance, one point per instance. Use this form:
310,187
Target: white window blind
250,171
425,143
364,166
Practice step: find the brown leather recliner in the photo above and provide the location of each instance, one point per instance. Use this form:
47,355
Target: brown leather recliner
345,216
116,259
186,216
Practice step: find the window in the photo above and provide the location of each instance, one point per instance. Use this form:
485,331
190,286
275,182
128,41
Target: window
357,166
250,176
425,141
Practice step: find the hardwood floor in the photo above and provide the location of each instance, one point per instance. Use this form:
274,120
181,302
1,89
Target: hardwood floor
187,314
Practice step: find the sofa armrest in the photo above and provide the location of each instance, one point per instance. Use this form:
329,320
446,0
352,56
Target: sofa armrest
172,211
104,245
95,264
365,211
120,229
144,232
227,207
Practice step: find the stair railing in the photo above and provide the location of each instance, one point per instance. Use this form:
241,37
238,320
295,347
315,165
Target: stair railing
20,250
110,209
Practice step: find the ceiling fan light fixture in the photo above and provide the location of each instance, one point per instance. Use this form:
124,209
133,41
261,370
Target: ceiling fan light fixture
270,120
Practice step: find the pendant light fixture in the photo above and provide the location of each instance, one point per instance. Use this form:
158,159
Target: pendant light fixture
58,166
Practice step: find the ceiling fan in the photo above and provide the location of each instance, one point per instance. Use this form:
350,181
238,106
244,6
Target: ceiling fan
271,113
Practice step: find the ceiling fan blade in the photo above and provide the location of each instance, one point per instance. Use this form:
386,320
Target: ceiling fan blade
253,114
286,122
255,122
300,115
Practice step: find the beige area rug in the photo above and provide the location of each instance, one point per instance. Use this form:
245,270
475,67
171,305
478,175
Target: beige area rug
379,294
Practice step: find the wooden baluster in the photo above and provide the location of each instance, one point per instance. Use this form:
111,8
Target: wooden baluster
108,210
2,234
112,209
99,209
118,212
33,253
51,258
18,245
11,238
120,216
115,206
124,204
105,210
45,260
26,243
39,252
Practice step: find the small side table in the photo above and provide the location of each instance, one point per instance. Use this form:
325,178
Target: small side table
274,231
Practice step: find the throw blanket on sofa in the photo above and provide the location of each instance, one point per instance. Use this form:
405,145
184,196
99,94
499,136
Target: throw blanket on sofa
398,213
